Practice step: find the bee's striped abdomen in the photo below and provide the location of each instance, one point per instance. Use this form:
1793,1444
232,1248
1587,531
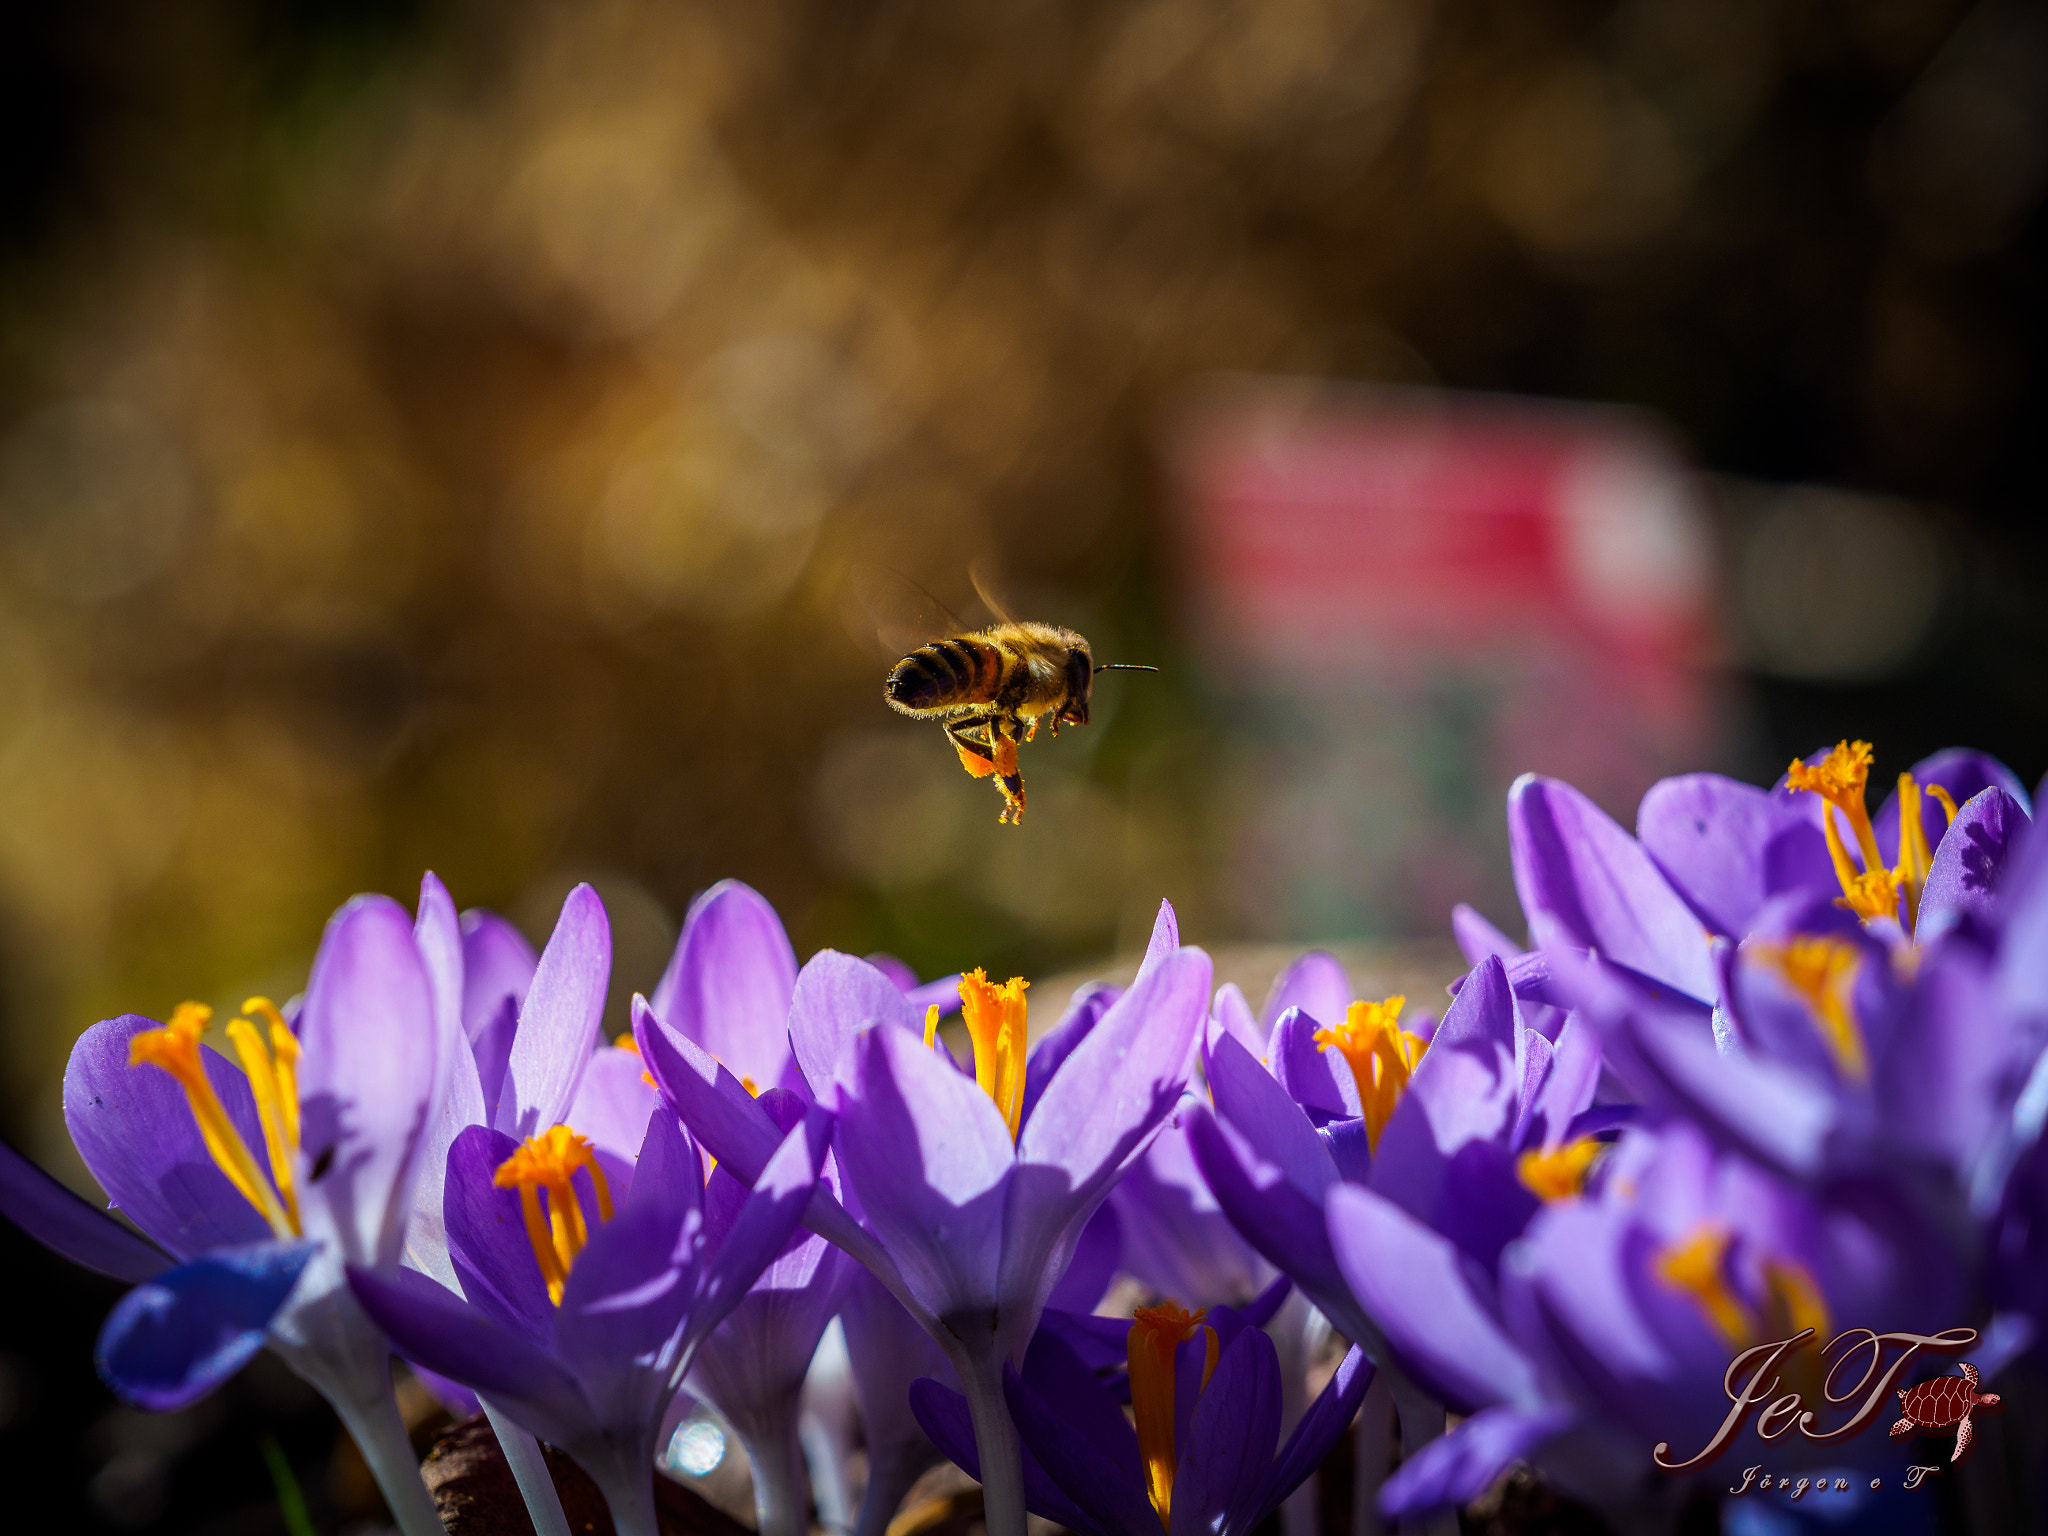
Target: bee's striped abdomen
962,670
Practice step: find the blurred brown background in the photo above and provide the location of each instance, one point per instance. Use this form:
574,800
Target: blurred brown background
447,434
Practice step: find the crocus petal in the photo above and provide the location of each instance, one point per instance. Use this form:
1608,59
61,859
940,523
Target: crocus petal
1231,1013
1104,1103
1089,1003
1277,1216
1177,1240
622,1304
488,1249
943,990
65,1224
1228,1453
942,1414
497,964
1080,1465
558,1022
437,1328
728,985
1456,1468
1969,865
1726,846
1320,1081
1565,1090
1315,983
1327,1418
1258,1108
458,1096
1940,1081
1094,1264
1585,883
763,1226
1164,941
176,1337
1965,773
137,1136
613,1102
930,1159
835,997
367,1065
1477,938
1416,1286
1465,1087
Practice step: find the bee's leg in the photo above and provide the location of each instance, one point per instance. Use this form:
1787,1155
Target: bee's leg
1003,733
1031,728
974,755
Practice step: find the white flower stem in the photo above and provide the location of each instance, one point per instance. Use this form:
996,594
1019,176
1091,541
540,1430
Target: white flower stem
1422,1420
530,1471
782,1490
625,1476
379,1433
995,1442
1375,1436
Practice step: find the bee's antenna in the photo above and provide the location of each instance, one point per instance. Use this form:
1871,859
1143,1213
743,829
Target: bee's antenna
1124,666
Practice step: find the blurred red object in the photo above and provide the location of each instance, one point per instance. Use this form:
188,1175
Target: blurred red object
1437,589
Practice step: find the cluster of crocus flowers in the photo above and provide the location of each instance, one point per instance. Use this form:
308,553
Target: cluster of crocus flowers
1770,1064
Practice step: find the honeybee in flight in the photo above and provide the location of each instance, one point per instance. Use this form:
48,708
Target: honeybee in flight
992,688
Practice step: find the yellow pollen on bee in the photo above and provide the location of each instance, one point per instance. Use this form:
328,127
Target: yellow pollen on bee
1840,779
1382,1057
1822,971
547,1163
1156,1334
996,1022
273,1083
1696,1264
1561,1172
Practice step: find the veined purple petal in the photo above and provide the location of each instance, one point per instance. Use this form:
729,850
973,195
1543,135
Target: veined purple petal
1327,1418
613,1102
1176,1238
1319,1081
729,983
1726,847
1090,1002
1231,1013
1414,1284
889,1349
558,1021
1465,1087
1941,1081
835,997
1228,1453
1097,1113
942,1414
1259,1109
1314,982
1165,938
497,964
176,1337
1585,883
1965,773
1281,1219
438,1329
622,1310
1477,938
488,1249
763,1226
1564,1091
930,1160
67,1225
1084,1471
1456,1468
137,1136
1969,864
1097,1256
368,1060
458,1094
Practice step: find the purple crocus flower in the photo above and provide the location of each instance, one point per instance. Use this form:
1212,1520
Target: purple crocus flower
580,1320
751,1367
258,1184
972,1193
1616,1315
1201,1455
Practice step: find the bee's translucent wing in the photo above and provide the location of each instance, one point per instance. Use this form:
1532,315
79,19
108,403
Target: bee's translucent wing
979,573
903,614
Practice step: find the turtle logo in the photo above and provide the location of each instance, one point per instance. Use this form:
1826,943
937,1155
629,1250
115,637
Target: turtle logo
1944,1401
